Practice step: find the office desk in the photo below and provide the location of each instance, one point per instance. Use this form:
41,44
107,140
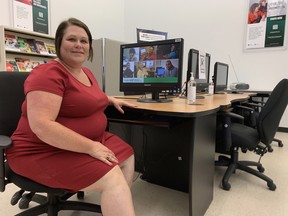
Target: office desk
191,128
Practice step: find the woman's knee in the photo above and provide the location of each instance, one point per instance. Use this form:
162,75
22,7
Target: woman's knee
110,179
130,162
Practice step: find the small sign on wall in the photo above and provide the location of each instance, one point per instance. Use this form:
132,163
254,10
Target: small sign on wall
144,35
32,15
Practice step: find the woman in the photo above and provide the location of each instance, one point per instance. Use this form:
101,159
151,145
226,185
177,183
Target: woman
61,140
254,15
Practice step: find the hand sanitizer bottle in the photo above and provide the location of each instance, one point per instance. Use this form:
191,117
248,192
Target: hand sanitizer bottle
191,90
211,88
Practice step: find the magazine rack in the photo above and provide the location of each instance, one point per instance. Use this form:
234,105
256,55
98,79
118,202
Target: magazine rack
22,50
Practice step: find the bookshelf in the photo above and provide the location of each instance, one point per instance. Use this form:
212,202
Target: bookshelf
27,49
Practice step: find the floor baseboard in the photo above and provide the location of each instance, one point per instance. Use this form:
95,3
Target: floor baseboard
282,129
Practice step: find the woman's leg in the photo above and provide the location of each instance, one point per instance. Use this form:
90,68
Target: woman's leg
116,198
128,168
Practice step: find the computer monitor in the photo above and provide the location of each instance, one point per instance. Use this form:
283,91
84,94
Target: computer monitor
151,67
193,66
220,77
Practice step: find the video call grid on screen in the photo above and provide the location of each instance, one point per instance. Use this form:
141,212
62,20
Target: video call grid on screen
153,60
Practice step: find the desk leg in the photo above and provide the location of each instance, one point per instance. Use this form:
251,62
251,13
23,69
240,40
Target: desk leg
201,170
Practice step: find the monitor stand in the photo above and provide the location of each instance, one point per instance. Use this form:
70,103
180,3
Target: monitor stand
155,99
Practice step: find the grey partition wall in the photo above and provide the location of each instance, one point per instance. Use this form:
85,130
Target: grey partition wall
112,67
106,65
96,66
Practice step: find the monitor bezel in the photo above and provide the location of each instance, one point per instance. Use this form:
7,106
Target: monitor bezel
217,87
152,87
201,84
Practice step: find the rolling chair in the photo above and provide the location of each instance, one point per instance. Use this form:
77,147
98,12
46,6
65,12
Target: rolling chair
232,136
250,110
11,98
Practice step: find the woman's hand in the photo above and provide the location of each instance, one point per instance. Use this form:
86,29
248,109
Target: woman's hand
118,104
103,154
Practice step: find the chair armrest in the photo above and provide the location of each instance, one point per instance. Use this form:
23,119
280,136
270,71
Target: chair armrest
5,142
244,108
257,102
256,105
223,135
230,115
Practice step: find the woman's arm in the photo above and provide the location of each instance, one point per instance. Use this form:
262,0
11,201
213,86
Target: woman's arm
118,104
42,110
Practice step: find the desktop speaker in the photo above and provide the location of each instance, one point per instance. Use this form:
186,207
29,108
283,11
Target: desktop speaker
239,86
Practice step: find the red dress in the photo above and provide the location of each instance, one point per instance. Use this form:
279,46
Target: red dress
82,110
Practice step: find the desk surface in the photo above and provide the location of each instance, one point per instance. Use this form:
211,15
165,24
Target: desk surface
210,104
257,91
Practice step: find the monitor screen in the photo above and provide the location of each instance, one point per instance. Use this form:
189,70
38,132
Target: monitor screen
151,67
193,66
220,77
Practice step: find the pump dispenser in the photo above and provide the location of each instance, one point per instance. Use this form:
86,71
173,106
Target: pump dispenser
191,90
211,88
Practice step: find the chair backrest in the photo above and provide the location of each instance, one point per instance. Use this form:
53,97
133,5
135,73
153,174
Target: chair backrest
271,113
11,99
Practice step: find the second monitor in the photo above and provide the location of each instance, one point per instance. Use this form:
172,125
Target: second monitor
220,77
199,64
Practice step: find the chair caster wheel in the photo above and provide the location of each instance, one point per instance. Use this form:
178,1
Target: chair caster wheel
24,203
280,144
270,149
261,169
226,186
25,200
16,197
271,186
80,195
244,150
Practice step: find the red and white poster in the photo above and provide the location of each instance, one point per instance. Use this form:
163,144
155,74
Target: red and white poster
266,23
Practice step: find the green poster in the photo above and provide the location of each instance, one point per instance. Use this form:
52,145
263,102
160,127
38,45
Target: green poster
40,16
266,24
275,31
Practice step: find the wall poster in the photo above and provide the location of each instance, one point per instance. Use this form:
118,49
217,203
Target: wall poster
266,23
32,15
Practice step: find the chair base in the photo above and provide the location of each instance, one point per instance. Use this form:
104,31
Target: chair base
280,143
54,204
233,164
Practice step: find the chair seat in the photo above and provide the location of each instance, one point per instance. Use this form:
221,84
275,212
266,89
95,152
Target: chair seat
29,185
244,136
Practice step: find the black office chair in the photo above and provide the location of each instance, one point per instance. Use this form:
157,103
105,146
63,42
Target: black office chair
11,98
250,110
232,136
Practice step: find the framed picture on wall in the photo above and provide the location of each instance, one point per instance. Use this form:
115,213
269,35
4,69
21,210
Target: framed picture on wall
32,15
266,20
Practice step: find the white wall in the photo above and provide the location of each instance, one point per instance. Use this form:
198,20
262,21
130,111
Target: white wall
104,18
217,27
